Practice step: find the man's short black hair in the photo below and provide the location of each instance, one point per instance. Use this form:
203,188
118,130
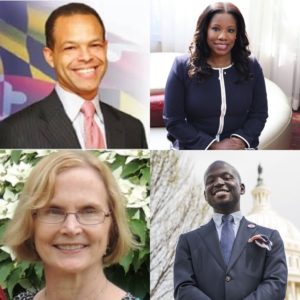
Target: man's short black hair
68,10
221,162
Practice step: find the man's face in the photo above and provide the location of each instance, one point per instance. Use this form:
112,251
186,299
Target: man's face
223,188
79,54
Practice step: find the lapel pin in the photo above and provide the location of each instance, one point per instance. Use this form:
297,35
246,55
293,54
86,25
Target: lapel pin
251,225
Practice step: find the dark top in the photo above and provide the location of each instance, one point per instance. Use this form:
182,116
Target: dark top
252,273
198,113
45,125
29,296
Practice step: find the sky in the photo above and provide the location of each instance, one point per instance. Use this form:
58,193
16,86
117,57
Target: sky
281,174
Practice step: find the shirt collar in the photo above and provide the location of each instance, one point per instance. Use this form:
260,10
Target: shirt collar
237,216
72,103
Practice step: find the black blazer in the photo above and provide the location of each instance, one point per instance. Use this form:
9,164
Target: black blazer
46,125
253,273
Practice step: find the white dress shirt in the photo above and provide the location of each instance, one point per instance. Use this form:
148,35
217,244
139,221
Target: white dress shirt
237,217
72,104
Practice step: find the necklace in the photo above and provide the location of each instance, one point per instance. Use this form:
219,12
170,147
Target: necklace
219,65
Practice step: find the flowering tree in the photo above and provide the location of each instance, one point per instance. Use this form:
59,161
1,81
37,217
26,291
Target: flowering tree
132,172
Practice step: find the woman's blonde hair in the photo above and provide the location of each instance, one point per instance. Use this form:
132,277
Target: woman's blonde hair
38,191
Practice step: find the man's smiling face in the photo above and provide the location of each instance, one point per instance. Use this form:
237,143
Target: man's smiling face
223,188
79,54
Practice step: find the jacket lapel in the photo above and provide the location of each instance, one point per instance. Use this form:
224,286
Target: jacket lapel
114,130
241,240
210,237
55,124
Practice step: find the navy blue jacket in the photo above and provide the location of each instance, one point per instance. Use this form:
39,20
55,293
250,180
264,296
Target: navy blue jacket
198,113
253,273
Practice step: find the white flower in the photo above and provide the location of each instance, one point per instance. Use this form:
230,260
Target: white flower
7,250
42,153
17,173
126,186
4,154
117,174
7,209
137,196
127,152
9,196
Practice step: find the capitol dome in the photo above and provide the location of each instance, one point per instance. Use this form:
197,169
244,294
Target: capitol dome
263,214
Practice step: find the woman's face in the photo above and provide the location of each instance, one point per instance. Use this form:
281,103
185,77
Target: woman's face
221,35
70,246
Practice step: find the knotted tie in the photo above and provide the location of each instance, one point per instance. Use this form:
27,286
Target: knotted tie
227,237
93,136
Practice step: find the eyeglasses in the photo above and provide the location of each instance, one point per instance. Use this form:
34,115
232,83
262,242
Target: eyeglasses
84,217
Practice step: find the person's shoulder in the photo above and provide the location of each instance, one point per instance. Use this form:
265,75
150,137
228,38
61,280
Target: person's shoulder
29,111
181,61
253,62
27,295
196,231
183,58
118,114
261,229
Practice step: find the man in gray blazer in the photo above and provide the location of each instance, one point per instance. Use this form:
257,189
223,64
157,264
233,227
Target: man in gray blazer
229,258
77,50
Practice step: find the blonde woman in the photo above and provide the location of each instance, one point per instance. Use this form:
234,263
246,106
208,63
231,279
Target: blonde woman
71,217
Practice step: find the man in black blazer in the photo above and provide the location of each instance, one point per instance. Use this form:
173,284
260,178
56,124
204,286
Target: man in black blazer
256,266
77,50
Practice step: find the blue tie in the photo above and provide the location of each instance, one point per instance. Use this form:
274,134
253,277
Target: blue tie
227,237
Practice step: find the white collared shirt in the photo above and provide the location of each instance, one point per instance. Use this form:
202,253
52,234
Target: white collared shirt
72,104
237,217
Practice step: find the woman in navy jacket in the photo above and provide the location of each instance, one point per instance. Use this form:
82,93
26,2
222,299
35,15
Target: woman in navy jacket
215,97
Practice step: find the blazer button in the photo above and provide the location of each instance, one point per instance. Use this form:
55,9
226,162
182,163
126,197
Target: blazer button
227,278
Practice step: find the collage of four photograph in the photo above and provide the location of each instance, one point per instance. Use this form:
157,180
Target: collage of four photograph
109,111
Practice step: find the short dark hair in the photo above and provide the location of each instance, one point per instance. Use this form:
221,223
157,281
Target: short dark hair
224,163
199,49
68,10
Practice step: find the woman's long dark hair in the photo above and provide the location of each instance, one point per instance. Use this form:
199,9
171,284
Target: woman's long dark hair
199,50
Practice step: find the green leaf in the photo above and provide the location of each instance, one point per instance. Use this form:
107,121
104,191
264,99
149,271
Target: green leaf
120,161
140,285
12,281
138,228
135,180
136,263
26,284
131,212
3,227
145,180
3,255
18,187
142,253
6,267
15,155
126,261
131,168
38,268
23,266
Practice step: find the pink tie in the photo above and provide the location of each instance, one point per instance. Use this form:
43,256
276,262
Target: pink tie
93,136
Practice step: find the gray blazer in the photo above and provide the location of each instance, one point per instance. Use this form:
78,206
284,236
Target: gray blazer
46,125
253,273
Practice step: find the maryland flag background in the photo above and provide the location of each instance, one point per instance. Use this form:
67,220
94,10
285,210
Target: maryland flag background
25,77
